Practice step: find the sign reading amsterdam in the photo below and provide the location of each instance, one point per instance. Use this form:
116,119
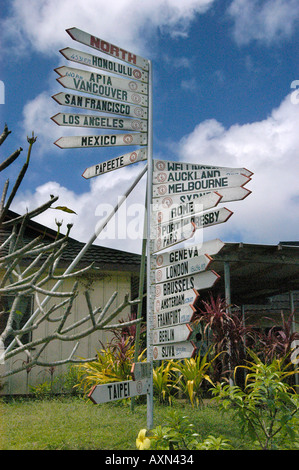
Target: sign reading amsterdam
182,302
115,163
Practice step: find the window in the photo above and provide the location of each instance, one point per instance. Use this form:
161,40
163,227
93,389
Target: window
24,313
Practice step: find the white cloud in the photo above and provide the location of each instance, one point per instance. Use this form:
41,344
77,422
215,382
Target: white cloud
41,24
269,148
264,21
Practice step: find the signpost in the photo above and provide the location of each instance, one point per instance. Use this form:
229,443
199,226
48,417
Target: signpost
96,104
167,165
110,140
175,316
181,303
108,48
182,350
100,122
104,64
115,163
118,390
181,268
209,248
206,184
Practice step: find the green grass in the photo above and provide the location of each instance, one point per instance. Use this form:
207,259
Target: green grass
77,424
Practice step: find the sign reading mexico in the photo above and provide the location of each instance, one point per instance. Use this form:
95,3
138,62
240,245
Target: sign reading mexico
126,96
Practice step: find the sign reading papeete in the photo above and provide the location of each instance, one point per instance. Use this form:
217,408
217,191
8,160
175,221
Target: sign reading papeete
115,163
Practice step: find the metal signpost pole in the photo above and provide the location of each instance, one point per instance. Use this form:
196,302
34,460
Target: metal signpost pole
149,316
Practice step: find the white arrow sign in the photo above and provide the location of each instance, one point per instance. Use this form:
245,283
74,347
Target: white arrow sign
104,64
99,80
141,370
170,207
184,301
198,281
107,48
206,184
115,163
96,104
103,90
99,122
193,175
181,268
118,390
210,247
167,165
181,350
227,195
173,334
159,241
110,140
175,316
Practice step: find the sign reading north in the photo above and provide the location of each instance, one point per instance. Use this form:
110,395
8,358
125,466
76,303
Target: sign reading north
109,140
104,64
96,104
107,48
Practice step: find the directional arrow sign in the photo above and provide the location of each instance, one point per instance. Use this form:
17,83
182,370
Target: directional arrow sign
167,165
175,234
118,390
110,140
175,316
96,104
210,247
198,281
192,175
181,350
105,91
170,207
115,163
104,64
100,122
202,220
181,268
173,334
107,48
101,80
227,195
206,184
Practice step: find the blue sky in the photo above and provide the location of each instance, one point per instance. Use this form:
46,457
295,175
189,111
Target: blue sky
222,95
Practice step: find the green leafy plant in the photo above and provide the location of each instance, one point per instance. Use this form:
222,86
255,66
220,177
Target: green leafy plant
193,372
268,406
163,381
179,434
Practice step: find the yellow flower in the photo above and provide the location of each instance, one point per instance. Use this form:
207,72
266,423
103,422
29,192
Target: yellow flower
142,442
